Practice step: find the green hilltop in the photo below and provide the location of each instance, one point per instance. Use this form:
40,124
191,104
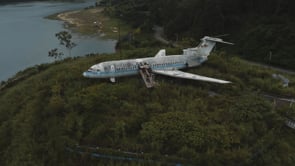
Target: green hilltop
51,115
53,108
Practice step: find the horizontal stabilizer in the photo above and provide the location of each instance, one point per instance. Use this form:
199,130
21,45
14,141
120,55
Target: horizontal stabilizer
216,40
180,74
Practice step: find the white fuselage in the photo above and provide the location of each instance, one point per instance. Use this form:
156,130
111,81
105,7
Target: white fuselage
128,67
159,64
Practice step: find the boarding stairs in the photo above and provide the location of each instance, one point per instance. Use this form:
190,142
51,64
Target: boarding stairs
147,75
290,123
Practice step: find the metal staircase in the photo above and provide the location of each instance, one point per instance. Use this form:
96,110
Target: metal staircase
147,75
290,123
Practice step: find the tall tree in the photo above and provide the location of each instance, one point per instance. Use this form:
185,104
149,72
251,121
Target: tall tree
65,39
55,54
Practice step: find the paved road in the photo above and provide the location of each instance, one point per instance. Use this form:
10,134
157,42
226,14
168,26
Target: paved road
269,67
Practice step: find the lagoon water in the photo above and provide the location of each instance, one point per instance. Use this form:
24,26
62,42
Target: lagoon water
26,36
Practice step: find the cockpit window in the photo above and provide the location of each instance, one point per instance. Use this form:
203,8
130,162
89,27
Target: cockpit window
96,68
93,69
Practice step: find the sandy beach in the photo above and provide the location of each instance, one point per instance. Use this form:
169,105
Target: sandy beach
84,17
85,21
68,19
93,21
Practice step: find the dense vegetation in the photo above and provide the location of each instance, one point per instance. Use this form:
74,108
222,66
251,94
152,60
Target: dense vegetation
51,115
262,30
54,108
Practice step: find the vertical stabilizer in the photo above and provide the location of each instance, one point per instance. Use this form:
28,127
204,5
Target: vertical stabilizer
207,44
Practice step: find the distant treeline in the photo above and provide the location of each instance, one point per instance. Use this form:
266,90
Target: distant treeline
262,31
15,1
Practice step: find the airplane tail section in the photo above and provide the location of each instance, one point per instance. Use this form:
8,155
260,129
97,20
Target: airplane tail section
207,44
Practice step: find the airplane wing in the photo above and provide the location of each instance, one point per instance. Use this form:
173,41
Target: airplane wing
180,74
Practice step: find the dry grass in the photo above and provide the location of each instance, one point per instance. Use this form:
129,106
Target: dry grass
94,21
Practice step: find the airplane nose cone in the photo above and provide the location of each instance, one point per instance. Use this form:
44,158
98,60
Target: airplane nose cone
85,74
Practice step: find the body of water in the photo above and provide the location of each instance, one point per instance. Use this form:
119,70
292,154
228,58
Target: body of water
26,36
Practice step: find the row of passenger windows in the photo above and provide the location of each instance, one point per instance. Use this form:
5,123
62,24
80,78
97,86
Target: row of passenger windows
165,64
134,67
125,68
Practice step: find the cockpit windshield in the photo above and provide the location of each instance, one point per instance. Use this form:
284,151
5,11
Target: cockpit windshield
95,68
91,69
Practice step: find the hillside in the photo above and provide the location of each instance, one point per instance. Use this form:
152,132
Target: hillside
54,109
51,115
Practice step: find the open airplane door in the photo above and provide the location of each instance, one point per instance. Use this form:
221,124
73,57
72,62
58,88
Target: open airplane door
113,79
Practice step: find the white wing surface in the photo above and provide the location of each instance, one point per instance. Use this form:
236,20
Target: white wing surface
180,74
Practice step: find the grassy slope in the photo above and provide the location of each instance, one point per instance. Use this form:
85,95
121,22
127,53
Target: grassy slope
47,108
56,107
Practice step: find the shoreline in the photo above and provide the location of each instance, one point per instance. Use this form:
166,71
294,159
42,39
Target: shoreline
92,21
64,16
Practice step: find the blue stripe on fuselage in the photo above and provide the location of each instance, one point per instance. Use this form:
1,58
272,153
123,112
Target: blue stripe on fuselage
126,71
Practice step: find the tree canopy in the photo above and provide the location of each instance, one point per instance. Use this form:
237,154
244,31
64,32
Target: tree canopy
54,109
262,31
51,115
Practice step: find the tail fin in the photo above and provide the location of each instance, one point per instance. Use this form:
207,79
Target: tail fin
208,43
